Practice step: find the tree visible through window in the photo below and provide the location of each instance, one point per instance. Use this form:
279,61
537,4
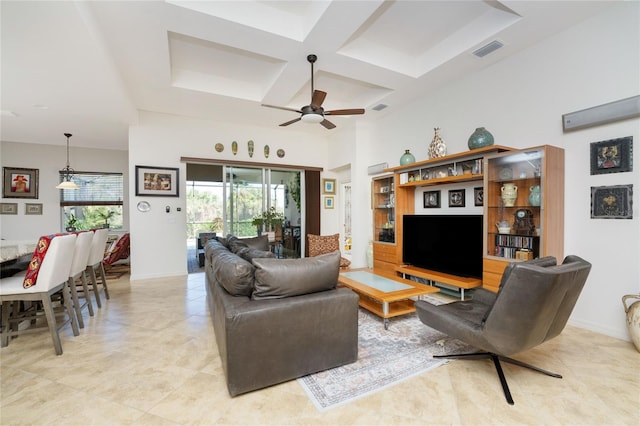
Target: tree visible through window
96,204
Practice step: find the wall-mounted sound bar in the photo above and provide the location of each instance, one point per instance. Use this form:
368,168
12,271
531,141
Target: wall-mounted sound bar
606,113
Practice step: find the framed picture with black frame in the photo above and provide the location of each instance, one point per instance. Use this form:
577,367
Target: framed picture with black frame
612,202
478,196
18,182
612,156
157,181
456,198
431,199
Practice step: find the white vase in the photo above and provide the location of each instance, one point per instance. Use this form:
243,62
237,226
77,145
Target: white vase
509,194
633,318
370,255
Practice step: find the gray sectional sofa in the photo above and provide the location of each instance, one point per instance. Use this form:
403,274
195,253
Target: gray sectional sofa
277,319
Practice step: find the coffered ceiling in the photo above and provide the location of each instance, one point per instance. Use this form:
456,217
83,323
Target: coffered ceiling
87,67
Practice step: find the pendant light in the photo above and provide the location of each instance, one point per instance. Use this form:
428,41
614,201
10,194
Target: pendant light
67,183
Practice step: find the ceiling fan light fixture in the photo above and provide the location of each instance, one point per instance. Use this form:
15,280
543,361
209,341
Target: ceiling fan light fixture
312,118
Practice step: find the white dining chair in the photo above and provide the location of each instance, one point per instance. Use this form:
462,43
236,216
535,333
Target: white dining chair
94,262
78,266
52,277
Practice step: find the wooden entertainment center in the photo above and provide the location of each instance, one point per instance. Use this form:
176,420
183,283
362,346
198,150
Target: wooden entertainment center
535,216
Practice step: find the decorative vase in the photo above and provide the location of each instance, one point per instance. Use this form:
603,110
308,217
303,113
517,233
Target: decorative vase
633,318
480,138
437,148
370,255
509,194
407,158
534,195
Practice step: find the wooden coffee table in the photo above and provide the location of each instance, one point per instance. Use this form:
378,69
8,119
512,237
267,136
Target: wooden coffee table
384,294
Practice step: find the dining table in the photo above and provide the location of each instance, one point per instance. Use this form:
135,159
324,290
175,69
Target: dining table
15,249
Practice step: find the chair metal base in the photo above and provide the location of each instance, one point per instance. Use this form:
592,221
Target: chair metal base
496,361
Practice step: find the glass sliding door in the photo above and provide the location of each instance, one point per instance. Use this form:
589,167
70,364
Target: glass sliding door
225,199
246,199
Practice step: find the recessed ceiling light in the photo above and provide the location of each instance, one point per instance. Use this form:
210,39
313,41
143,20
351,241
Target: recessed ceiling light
40,106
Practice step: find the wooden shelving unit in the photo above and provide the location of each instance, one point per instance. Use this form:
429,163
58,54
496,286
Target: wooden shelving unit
525,169
387,256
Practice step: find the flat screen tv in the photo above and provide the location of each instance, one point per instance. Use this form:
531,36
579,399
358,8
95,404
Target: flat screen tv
445,243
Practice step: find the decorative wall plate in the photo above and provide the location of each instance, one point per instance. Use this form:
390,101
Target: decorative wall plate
280,153
219,147
234,147
144,206
266,151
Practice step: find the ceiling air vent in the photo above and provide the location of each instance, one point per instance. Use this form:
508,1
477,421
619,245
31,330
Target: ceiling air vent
488,48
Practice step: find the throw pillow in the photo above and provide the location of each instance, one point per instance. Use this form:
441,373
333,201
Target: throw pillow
31,277
233,273
280,278
248,254
259,243
322,244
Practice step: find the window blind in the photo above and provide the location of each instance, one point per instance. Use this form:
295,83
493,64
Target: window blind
95,189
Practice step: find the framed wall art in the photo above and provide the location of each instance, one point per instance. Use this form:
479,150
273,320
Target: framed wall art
612,156
33,208
328,186
328,202
456,198
157,181
19,183
478,196
8,208
612,202
431,199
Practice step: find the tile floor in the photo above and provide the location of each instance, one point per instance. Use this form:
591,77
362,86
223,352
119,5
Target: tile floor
149,357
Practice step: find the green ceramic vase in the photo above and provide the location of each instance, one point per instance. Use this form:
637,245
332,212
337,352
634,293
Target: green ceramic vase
407,158
480,138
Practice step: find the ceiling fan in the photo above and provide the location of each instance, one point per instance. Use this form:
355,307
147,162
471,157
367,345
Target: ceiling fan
314,113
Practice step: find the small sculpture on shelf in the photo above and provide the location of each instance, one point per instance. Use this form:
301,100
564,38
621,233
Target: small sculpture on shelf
437,148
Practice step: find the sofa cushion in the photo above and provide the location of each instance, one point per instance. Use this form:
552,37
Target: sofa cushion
248,254
233,273
259,243
280,278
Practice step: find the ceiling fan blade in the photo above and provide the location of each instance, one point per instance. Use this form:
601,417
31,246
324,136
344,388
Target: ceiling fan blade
327,124
318,98
290,122
353,111
284,108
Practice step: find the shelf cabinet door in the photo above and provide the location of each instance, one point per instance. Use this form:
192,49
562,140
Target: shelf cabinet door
524,192
383,204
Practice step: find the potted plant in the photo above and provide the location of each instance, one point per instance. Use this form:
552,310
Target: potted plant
106,215
268,220
71,223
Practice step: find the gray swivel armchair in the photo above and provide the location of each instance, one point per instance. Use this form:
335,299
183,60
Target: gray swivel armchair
533,305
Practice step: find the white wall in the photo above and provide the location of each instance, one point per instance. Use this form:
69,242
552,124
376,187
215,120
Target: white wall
158,239
49,159
521,101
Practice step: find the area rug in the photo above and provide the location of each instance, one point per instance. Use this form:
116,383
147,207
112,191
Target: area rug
385,358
